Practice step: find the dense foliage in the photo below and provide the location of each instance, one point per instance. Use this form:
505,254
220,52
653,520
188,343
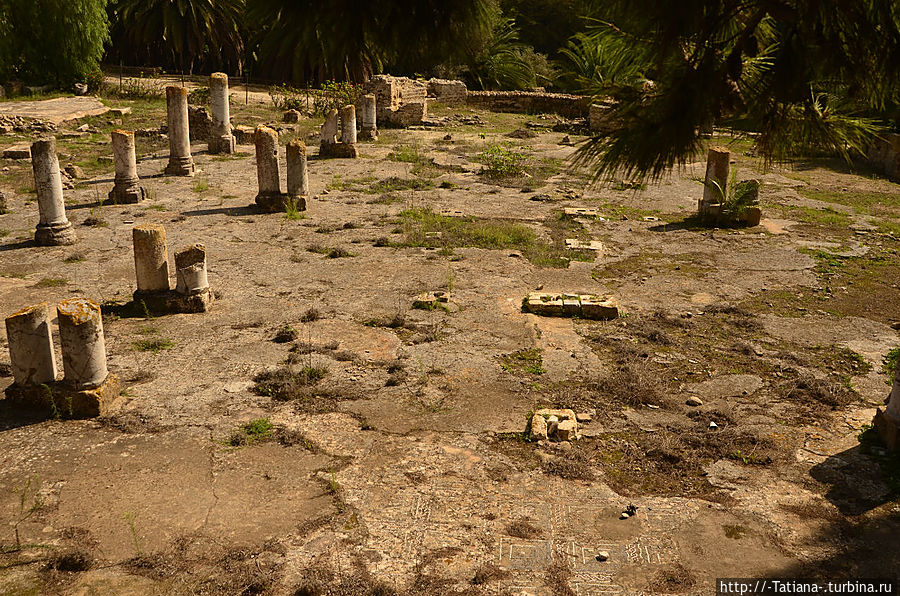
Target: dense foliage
58,41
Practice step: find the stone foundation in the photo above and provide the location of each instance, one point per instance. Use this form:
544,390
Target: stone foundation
60,400
548,304
399,101
338,150
447,91
171,302
530,102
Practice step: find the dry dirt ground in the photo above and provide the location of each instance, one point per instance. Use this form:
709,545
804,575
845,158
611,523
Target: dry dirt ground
384,451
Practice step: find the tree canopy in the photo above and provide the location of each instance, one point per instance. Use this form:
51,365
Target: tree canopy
803,73
59,39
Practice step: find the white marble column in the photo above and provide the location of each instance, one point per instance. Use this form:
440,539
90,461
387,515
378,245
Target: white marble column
82,341
31,345
220,137
180,161
53,228
151,262
127,188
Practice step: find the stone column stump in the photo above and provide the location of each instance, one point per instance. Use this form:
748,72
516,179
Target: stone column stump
127,188
53,228
297,174
180,161
368,126
220,138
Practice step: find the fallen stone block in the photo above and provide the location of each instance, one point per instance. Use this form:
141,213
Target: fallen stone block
551,304
575,244
18,152
431,300
580,212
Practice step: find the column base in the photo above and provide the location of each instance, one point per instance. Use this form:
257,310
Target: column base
277,203
55,234
181,166
60,400
131,193
338,150
888,429
223,144
172,302
367,134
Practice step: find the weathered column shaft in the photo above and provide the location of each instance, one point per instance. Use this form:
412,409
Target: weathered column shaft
31,345
893,408
297,173
330,128
348,125
82,342
127,187
180,161
53,227
267,174
48,181
151,263
717,164
220,137
190,269
368,127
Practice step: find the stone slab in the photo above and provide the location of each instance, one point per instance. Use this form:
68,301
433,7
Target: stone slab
17,152
580,212
576,244
552,304
56,110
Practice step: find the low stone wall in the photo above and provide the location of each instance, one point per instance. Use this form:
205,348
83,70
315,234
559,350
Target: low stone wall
448,92
399,101
531,102
885,156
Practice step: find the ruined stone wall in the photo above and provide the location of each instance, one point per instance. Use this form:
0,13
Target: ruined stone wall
531,102
399,101
885,156
448,92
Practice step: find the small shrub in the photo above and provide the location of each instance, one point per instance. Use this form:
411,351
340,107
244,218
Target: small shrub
285,334
311,314
339,253
286,383
254,431
522,528
51,282
153,344
890,364
199,96
501,161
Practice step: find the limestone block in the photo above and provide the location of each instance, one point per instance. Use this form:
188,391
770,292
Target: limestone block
151,261
576,244
567,430
579,212
31,345
545,305
599,308
538,428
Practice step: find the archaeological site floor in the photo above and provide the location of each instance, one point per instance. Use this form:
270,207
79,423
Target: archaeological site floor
387,444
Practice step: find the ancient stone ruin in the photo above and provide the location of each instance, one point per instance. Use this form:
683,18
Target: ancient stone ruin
220,137
446,91
399,101
329,146
151,265
127,188
887,422
269,197
716,192
368,119
586,306
53,228
87,389
180,161
554,425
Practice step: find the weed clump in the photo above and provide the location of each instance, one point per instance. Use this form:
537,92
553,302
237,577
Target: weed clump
254,431
286,383
285,334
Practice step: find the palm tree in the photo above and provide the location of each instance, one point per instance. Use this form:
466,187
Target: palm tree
802,70
179,33
348,40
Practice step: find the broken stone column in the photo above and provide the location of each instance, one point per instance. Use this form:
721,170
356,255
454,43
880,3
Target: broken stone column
297,174
190,270
180,161
53,228
151,262
127,188
220,137
192,292
368,126
717,163
328,136
269,196
31,346
348,125
82,342
328,146
887,422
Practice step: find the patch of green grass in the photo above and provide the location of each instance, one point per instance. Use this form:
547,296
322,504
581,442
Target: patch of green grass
255,431
154,344
866,202
396,184
292,210
51,282
528,361
889,364
423,227
502,161
201,185
156,207
339,183
825,216
888,227
148,329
